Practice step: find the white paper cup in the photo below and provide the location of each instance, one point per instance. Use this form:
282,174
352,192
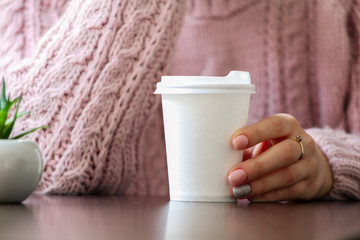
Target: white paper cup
200,115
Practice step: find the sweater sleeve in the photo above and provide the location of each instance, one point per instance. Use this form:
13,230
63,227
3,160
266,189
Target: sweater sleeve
343,153
342,148
91,79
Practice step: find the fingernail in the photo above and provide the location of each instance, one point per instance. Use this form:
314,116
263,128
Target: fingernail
237,177
240,142
241,191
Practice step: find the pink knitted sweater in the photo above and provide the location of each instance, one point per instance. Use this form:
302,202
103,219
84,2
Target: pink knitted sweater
88,69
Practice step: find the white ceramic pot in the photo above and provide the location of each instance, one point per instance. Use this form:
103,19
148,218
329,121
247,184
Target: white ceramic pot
20,169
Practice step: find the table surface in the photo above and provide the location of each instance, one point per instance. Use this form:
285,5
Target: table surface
102,217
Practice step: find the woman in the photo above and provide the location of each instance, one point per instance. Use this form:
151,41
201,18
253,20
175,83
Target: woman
95,63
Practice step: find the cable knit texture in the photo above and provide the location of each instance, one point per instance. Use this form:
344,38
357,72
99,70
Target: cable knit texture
91,79
340,148
88,69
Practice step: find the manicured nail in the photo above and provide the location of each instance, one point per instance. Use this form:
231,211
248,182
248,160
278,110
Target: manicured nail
241,191
237,177
240,142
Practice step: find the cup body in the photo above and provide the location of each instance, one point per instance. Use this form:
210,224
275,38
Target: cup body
198,129
20,169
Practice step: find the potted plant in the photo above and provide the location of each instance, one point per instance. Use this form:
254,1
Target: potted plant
20,160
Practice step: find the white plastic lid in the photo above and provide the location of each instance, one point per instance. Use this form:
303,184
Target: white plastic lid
234,82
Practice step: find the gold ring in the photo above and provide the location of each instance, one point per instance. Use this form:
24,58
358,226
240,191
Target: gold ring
298,139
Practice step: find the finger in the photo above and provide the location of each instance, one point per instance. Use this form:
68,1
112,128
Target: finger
278,126
260,148
295,192
279,179
277,157
254,151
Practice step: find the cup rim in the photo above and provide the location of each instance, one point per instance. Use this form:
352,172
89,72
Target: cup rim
234,82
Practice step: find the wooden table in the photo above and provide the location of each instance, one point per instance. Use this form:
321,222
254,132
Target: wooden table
96,217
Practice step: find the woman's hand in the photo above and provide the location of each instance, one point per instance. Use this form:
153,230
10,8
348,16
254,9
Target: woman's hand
271,171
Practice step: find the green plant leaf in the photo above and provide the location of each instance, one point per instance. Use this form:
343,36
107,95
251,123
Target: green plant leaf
19,115
3,116
3,100
29,131
6,105
9,127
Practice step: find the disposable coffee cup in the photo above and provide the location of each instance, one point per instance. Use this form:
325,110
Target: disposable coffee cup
200,115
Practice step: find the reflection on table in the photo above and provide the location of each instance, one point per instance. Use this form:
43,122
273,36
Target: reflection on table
96,217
